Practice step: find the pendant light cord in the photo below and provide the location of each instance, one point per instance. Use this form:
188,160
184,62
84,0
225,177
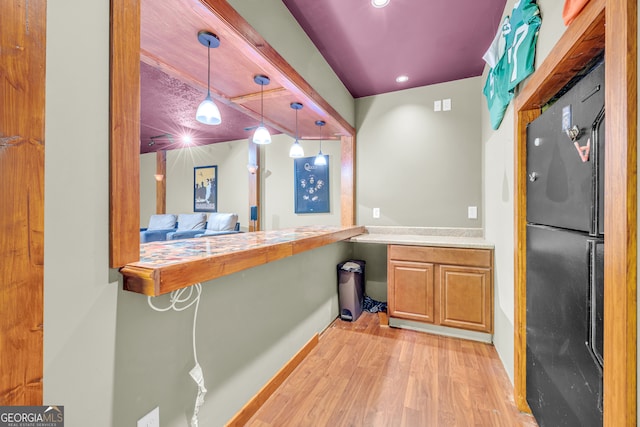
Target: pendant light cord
209,68
261,104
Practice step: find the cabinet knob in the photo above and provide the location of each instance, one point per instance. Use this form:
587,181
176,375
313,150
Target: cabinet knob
533,176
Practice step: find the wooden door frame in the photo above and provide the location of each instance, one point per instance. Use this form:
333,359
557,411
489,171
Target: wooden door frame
584,39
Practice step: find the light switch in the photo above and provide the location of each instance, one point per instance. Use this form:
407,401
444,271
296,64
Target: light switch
472,212
446,104
437,105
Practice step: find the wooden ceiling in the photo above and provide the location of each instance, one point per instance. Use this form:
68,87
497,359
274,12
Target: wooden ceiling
169,45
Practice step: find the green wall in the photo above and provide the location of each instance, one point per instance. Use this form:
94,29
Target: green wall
497,189
419,166
80,292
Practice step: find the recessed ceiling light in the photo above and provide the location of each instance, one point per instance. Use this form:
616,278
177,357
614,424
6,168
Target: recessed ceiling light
402,78
379,3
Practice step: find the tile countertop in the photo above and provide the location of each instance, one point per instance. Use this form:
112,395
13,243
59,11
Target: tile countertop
170,265
425,236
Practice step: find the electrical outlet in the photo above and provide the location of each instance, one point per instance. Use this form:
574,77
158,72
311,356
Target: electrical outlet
152,419
376,212
472,212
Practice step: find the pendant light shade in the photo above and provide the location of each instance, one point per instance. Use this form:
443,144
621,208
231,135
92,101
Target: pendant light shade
296,150
261,135
208,112
320,159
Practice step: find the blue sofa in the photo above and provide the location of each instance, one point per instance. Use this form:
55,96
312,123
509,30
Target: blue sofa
159,226
216,224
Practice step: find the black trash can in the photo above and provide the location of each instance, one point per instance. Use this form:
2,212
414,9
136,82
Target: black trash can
351,289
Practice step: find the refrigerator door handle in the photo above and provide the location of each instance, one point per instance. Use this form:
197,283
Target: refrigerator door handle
592,316
597,173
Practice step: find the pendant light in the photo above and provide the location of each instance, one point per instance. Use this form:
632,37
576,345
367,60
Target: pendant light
261,135
296,150
320,159
208,112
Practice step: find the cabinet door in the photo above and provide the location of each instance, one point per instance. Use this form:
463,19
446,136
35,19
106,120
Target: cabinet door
411,290
466,298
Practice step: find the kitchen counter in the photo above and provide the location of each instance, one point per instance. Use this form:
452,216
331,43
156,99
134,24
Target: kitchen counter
425,236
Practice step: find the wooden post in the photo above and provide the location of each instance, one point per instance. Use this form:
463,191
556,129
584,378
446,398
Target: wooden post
161,181
22,111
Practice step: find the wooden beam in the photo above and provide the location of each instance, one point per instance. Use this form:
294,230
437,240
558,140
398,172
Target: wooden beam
620,275
579,44
348,181
256,45
161,181
268,94
22,114
124,147
237,103
254,186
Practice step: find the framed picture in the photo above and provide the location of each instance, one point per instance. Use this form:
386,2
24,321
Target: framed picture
205,189
311,186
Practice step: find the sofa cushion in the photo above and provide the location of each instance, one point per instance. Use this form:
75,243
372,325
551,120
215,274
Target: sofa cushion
155,235
162,222
222,221
194,221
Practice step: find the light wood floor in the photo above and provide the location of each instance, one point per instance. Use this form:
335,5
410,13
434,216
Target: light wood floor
364,374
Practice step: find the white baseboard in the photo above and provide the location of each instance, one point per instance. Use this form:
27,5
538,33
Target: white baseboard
441,330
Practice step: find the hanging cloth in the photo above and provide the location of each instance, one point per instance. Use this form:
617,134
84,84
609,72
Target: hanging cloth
571,9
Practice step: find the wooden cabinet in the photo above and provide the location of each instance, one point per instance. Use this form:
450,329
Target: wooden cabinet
411,292
442,286
466,298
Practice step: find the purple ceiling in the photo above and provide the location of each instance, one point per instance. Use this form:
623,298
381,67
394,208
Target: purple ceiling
431,41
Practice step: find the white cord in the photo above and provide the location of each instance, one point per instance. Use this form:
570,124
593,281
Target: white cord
180,302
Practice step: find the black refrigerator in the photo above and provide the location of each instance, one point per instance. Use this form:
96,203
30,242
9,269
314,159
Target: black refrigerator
565,256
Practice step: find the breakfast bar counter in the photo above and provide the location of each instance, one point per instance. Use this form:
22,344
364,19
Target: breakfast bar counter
170,265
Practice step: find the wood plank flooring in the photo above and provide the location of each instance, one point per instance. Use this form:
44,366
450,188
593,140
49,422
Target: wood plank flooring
365,374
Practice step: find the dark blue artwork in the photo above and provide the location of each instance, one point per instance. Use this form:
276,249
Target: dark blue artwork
311,186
